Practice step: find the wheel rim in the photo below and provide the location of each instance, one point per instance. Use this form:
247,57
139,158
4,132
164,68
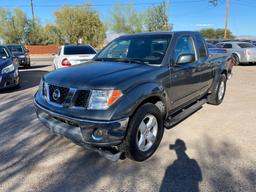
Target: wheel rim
236,60
147,133
221,90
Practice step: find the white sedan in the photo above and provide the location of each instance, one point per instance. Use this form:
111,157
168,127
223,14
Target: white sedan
69,55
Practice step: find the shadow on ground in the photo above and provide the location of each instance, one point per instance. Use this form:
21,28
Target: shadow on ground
184,174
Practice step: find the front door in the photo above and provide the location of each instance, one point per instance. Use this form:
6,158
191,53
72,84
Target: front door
185,78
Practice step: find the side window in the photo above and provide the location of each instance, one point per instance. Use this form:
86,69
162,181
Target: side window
219,45
184,45
227,46
201,46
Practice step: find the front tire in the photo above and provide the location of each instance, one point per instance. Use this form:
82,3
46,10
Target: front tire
219,91
145,132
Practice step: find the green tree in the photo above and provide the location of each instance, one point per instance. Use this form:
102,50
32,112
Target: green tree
125,19
216,33
157,18
79,24
13,25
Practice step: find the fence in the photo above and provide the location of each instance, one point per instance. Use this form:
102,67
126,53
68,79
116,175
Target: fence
42,49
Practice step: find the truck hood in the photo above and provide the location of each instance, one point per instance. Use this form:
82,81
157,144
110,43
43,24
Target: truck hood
97,75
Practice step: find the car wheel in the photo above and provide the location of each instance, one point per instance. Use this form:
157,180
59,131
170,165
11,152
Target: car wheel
236,59
145,132
218,94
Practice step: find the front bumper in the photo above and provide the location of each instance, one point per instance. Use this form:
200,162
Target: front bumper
9,80
82,131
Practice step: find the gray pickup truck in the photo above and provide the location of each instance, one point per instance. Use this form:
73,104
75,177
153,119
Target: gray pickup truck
120,103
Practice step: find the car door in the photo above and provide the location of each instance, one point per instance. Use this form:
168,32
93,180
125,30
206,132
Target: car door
205,66
185,78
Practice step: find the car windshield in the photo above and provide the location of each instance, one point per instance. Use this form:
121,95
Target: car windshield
3,53
78,50
15,48
144,49
245,45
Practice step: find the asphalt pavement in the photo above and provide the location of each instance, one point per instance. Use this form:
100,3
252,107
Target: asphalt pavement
212,150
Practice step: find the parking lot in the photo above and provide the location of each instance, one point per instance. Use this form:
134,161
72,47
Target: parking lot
220,151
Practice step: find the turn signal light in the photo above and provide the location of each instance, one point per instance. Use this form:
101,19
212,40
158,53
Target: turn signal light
116,94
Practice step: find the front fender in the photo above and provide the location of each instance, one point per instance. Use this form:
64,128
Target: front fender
135,97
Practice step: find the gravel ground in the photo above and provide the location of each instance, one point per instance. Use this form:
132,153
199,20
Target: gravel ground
218,152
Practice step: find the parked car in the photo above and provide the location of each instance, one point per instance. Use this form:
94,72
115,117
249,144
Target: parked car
9,74
119,103
21,53
69,55
219,54
242,52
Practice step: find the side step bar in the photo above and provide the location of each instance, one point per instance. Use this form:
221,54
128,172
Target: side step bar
182,114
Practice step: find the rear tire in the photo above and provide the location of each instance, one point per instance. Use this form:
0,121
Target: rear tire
219,91
236,59
145,132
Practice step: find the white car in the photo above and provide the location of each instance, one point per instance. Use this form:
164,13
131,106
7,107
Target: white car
69,55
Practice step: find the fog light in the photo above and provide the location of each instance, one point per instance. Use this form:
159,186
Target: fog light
97,135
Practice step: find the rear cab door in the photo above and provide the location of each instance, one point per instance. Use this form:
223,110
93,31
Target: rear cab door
205,66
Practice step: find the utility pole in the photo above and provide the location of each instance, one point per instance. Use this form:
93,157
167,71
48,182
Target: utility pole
226,22
168,14
32,9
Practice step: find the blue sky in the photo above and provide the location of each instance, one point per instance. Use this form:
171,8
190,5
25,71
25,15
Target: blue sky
184,14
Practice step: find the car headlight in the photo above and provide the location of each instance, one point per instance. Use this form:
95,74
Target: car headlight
21,56
8,69
103,99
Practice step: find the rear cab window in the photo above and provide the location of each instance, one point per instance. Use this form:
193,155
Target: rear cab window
202,53
78,50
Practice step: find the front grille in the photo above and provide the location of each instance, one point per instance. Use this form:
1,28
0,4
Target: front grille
82,98
57,94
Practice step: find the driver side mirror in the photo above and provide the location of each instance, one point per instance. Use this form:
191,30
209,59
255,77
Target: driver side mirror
185,58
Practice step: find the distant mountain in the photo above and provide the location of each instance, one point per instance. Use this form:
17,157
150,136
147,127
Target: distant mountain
246,37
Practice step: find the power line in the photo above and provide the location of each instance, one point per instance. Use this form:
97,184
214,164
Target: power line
104,4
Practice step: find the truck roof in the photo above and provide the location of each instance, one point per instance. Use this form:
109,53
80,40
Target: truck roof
161,33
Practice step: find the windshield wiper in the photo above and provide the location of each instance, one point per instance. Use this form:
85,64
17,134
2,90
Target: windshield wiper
129,60
125,60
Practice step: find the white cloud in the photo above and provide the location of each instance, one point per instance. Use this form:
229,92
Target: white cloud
203,25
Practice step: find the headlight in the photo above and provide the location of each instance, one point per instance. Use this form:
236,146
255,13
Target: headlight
8,69
103,99
21,56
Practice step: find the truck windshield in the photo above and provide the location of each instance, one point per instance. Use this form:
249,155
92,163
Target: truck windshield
148,49
15,48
